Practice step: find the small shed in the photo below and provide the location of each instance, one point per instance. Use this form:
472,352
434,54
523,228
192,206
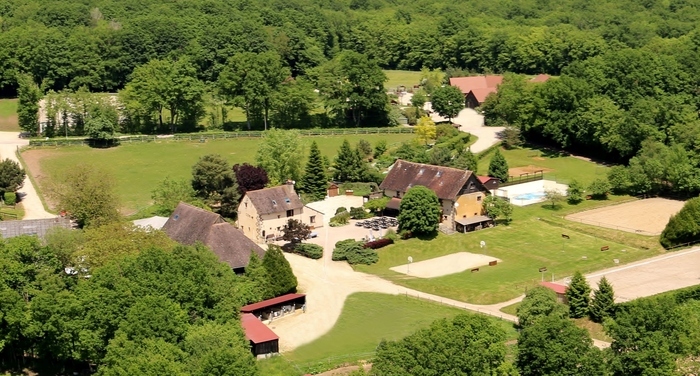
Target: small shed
333,190
262,340
558,289
490,182
276,307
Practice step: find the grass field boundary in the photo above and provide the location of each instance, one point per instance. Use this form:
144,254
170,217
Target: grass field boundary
483,154
204,136
37,187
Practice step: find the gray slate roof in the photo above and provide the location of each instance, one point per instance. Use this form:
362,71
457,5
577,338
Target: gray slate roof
189,224
38,227
275,200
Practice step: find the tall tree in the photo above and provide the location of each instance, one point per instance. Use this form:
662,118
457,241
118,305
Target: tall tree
295,231
280,154
282,278
425,130
169,193
349,165
11,176
352,85
466,160
29,95
214,182
603,303
161,85
447,101
579,295
251,80
574,192
466,345
419,211
314,183
256,273
538,303
555,346
293,102
498,167
249,177
88,195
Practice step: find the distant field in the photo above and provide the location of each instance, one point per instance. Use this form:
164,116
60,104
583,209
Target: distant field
399,77
8,115
366,319
138,168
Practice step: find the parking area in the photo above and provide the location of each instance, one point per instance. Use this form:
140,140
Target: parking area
331,204
328,236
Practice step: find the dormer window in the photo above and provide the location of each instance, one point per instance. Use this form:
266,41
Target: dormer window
439,173
287,200
274,202
420,172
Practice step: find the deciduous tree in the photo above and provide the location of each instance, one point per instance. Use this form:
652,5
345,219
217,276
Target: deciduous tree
599,189
295,231
214,181
419,211
169,193
575,192
29,95
578,294
496,207
425,130
466,160
447,101
11,176
539,302
280,154
554,197
249,177
88,195
498,167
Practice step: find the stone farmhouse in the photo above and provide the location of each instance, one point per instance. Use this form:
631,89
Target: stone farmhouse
189,225
263,213
460,192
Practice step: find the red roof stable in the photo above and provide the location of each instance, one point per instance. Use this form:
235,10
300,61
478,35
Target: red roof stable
485,179
256,331
477,83
557,288
271,302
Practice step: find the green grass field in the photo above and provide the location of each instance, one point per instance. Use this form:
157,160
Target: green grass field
397,78
366,319
139,167
8,115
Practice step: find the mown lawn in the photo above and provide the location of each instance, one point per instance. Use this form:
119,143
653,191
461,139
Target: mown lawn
401,77
8,115
139,167
366,319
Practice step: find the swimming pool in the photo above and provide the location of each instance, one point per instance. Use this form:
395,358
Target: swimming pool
530,196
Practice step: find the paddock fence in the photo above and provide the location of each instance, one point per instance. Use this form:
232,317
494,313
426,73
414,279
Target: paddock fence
203,137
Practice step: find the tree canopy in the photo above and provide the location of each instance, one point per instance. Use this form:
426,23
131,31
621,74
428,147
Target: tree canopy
419,211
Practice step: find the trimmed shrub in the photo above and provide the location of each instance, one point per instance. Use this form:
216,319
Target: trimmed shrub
360,255
358,213
379,243
391,234
312,251
340,219
341,209
10,198
341,247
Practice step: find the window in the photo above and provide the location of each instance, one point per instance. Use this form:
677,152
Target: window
312,219
246,205
290,213
287,200
478,198
274,202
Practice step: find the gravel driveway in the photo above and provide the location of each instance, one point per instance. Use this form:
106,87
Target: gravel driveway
472,122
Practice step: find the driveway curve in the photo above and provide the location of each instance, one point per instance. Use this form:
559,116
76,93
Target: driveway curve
472,122
33,208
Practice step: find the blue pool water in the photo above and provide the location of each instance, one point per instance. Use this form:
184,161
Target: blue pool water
530,196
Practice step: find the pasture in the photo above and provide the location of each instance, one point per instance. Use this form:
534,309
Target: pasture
139,167
396,78
366,319
8,115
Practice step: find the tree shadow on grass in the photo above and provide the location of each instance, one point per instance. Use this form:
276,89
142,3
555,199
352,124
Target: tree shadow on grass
549,207
429,236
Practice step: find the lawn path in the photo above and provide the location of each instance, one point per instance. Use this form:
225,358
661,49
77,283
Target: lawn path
33,208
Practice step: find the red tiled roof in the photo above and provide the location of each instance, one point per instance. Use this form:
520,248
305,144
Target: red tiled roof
446,182
467,84
255,330
271,302
559,289
541,78
481,94
485,179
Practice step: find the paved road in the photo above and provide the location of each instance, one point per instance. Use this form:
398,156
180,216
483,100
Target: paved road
33,208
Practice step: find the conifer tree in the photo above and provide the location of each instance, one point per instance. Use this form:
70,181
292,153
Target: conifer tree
498,168
314,182
282,278
579,295
260,280
349,165
466,160
603,303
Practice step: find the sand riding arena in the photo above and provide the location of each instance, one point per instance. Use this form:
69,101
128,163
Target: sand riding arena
645,217
444,265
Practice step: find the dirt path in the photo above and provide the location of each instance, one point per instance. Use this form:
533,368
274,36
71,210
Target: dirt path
33,208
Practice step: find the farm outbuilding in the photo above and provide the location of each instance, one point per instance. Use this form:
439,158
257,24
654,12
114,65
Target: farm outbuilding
262,340
558,289
271,309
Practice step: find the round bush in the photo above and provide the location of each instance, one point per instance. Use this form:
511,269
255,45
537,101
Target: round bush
312,251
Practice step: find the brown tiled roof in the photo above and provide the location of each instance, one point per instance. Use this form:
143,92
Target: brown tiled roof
275,199
467,84
482,93
485,179
189,224
446,182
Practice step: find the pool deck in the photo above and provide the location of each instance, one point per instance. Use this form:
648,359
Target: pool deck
533,188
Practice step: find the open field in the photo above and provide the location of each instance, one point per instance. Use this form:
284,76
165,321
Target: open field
646,217
366,319
533,240
8,115
138,168
445,265
401,77
556,166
